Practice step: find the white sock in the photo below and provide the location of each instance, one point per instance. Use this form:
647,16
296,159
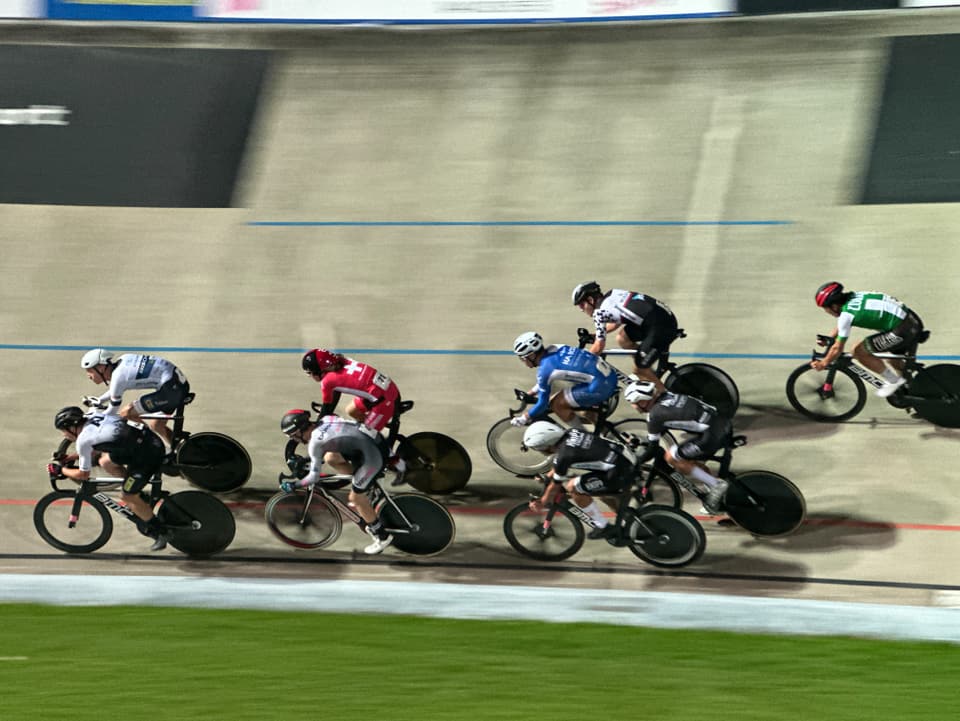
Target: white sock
704,477
890,375
596,515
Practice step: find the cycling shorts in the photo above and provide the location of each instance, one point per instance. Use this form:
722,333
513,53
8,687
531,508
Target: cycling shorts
653,337
703,445
166,399
898,340
377,414
587,395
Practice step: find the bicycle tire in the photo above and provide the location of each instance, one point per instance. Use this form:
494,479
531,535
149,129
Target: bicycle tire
505,446
436,463
708,383
803,392
435,528
764,503
213,462
525,532
92,530
935,394
293,521
217,526
665,537
631,429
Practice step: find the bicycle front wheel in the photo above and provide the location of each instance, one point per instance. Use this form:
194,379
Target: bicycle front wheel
708,383
814,394
419,524
530,533
303,520
505,445
214,462
665,537
92,528
935,394
764,503
435,463
197,523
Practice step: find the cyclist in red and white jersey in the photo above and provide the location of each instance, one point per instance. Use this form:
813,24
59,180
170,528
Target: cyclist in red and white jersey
375,395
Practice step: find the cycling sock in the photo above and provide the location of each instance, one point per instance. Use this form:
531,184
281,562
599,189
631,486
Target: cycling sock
890,375
704,477
596,515
376,529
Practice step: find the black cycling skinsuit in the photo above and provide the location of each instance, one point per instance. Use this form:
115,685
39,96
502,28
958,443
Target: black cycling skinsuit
675,411
611,465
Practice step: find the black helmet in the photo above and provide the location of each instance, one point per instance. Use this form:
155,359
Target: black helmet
68,417
828,294
585,290
295,420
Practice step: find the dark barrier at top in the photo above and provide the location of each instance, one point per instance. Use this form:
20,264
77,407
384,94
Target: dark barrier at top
124,126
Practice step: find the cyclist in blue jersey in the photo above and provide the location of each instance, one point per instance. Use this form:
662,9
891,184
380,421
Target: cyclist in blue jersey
594,381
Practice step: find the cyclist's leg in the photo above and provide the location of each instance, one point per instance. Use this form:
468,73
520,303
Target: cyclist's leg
585,395
582,490
166,399
379,414
689,456
653,340
368,461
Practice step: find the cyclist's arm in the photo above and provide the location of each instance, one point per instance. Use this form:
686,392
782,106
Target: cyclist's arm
603,323
542,389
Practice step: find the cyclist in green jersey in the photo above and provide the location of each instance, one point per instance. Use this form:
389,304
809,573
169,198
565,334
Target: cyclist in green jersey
897,329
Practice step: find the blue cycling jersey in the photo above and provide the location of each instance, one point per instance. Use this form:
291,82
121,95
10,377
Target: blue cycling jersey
566,363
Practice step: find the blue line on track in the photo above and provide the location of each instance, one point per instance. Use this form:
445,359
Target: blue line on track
495,223
402,351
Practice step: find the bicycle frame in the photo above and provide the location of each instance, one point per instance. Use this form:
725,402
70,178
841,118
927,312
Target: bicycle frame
847,360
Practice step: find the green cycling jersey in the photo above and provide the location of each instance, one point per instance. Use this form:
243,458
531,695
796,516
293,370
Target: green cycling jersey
875,311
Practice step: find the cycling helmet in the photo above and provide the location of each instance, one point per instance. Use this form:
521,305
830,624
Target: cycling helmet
68,417
96,357
295,420
828,294
542,435
319,360
585,290
527,343
639,391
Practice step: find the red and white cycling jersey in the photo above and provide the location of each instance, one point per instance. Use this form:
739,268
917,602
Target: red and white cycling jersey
368,385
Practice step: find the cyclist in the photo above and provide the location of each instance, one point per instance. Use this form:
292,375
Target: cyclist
593,378
132,371
897,330
645,324
375,394
710,431
350,448
610,467
136,447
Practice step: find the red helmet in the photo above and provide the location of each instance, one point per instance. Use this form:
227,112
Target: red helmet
318,361
828,294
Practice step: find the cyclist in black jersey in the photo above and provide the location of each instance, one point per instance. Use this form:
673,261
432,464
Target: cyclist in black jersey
709,432
609,467
645,324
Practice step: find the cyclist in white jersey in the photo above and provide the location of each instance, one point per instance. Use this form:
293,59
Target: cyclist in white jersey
135,447
897,329
132,371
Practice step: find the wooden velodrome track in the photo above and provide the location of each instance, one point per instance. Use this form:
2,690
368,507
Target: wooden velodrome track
468,179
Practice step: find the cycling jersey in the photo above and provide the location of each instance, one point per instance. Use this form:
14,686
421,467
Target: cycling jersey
129,444
363,448
675,411
587,451
625,306
593,378
875,311
374,390
136,372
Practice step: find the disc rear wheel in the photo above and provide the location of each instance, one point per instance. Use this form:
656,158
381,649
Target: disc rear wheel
764,503
435,463
197,523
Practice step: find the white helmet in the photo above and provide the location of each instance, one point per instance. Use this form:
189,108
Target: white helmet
542,435
527,343
639,391
95,357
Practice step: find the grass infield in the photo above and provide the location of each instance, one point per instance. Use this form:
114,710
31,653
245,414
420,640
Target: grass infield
100,664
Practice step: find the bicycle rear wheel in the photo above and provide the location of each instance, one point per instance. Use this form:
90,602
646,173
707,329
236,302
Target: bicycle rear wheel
430,529
51,518
845,398
197,523
708,383
764,503
435,463
303,520
530,534
935,394
505,446
665,537
214,462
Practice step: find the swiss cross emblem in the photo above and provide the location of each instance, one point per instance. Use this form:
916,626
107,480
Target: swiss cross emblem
354,367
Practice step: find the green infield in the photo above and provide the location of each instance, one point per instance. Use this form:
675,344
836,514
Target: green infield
74,664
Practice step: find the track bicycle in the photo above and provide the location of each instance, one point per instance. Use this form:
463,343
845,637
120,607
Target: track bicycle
663,536
710,384
435,463
762,503
78,520
312,517
212,461
839,392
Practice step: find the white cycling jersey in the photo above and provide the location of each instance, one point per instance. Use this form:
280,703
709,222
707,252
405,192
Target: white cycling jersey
136,372
101,430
